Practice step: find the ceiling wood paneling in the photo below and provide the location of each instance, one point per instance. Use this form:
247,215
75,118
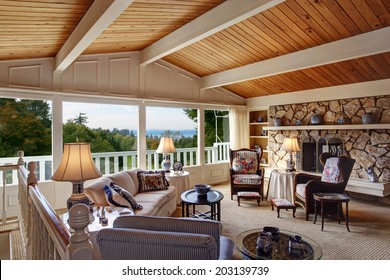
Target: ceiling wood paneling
144,22
34,29
40,28
370,68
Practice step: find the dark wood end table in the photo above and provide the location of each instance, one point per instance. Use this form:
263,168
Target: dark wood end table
338,198
213,199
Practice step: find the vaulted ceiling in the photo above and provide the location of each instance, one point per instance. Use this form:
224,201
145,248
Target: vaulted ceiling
249,47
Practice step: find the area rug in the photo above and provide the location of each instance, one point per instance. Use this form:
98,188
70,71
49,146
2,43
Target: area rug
369,223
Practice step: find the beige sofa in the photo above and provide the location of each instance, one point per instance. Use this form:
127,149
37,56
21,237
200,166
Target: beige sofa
164,238
155,203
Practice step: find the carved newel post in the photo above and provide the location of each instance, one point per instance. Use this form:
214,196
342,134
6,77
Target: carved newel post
80,247
20,157
32,178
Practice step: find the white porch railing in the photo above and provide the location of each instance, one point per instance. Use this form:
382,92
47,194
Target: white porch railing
113,162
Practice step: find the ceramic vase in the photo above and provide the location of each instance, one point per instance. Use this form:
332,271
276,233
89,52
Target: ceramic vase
278,121
316,119
368,118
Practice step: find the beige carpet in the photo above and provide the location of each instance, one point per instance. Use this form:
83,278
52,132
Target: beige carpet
15,238
369,223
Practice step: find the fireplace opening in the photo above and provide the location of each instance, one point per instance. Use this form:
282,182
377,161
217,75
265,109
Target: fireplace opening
311,152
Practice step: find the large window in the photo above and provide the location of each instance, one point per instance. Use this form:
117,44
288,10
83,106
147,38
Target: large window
26,125
110,129
177,123
217,136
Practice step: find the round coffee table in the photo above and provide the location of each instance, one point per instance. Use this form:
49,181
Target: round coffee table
246,244
213,199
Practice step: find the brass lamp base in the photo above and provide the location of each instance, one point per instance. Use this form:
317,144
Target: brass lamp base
290,164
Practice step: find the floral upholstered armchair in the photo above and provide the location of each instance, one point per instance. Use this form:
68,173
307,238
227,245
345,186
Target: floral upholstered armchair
334,179
245,171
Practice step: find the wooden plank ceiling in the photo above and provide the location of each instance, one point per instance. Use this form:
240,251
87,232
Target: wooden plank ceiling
34,29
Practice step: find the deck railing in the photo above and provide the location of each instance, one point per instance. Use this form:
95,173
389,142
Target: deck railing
113,162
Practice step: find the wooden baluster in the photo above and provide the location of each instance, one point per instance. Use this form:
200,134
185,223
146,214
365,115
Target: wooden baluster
31,182
80,247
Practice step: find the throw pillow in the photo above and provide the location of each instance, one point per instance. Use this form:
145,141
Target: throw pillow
152,181
126,195
332,172
244,165
115,199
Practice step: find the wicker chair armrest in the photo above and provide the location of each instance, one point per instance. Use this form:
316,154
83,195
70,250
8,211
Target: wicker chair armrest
303,178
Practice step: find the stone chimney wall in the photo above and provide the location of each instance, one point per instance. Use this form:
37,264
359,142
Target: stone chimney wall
368,147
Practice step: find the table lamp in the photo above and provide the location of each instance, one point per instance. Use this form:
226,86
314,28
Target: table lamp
166,147
76,166
291,146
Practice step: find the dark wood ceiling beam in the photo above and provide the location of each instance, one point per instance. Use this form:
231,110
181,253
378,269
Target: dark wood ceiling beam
366,44
98,17
215,20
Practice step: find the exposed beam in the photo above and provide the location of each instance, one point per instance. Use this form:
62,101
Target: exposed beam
366,44
215,20
98,17
356,90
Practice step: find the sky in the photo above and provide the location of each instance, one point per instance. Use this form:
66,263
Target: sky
126,117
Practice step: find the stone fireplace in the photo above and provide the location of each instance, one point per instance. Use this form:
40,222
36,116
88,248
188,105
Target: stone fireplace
369,147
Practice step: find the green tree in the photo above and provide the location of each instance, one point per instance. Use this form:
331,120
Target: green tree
81,119
212,127
24,125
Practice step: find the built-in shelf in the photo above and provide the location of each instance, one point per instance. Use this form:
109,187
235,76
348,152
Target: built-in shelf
329,126
258,137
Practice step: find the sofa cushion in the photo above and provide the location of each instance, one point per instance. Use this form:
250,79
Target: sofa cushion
95,191
126,195
133,174
157,198
170,192
124,180
149,209
301,188
152,181
246,179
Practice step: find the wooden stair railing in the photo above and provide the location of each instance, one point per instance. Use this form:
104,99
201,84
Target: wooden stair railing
45,236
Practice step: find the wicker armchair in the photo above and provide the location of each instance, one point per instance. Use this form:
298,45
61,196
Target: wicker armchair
245,171
334,179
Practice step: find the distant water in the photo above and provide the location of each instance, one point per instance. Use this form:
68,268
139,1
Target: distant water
159,132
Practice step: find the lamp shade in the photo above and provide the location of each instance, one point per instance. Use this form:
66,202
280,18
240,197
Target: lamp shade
290,145
166,146
76,164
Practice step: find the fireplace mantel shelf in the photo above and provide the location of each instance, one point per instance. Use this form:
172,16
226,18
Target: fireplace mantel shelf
329,126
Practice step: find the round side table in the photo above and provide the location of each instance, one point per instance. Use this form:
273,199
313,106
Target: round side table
213,199
281,185
181,181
